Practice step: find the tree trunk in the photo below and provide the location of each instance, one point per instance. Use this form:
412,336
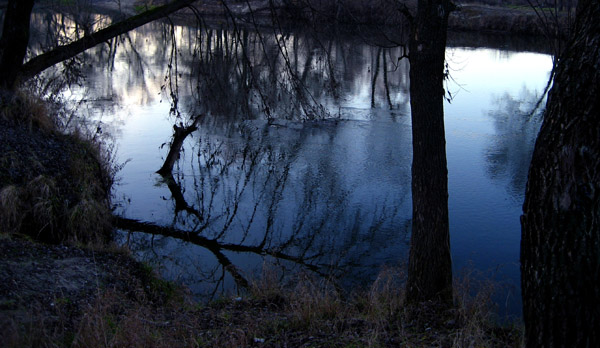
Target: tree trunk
560,244
375,75
429,265
14,41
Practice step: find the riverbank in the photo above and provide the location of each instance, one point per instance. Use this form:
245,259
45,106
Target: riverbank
508,20
54,186
58,295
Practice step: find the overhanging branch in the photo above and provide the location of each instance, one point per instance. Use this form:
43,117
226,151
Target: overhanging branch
42,62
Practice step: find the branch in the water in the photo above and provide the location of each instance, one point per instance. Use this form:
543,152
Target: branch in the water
180,202
179,135
211,244
231,268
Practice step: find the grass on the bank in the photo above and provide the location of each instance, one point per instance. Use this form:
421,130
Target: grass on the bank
308,314
54,186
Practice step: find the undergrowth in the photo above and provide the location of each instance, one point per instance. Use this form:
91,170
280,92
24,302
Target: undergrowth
54,186
310,313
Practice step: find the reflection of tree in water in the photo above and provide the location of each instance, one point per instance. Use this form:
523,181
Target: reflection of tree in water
277,75
509,155
257,196
251,188
229,69
87,98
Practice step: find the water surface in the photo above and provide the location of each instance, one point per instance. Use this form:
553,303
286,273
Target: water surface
302,157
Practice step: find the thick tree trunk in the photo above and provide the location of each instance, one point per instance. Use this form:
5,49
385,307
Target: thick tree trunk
560,245
14,41
429,265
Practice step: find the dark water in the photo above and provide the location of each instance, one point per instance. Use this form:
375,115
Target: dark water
299,163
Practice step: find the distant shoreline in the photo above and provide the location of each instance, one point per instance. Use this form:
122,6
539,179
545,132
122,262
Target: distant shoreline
509,20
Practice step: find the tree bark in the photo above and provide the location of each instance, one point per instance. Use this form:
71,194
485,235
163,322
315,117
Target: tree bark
14,41
560,244
429,265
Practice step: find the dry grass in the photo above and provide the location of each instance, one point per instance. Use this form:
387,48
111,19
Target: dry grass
27,109
310,314
475,312
10,212
29,206
385,297
41,210
54,187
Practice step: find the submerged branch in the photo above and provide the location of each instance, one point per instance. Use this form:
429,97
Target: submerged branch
179,135
211,244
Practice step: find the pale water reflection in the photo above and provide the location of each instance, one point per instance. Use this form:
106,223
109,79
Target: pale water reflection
490,137
292,166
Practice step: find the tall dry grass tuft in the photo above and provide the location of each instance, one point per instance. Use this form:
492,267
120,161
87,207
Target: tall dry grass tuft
11,216
88,221
313,301
44,207
32,207
269,287
26,109
41,210
308,299
385,298
477,324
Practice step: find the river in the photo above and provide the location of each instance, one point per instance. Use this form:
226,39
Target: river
301,160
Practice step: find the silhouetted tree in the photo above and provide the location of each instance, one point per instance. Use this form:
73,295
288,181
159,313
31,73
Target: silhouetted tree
429,265
13,43
560,245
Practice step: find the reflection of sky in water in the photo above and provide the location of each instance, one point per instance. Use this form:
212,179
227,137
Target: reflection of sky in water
357,167
485,209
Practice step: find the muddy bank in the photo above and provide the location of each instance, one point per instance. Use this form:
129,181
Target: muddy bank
45,289
63,296
54,185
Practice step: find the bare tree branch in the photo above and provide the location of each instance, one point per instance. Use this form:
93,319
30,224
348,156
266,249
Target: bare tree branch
42,62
